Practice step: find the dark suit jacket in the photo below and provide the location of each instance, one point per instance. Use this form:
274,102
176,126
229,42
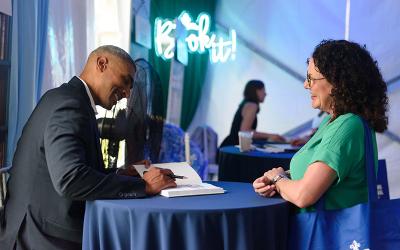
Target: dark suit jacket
56,167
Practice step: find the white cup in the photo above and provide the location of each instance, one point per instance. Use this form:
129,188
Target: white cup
245,140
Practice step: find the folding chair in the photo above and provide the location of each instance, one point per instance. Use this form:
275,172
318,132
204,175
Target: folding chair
207,139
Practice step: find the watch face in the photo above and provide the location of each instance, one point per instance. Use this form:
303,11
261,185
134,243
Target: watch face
277,178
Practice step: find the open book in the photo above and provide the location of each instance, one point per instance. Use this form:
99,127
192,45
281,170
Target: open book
277,148
191,184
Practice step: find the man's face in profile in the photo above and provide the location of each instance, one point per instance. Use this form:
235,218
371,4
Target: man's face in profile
117,79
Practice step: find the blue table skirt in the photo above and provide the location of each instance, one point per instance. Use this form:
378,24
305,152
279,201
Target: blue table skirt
247,166
238,219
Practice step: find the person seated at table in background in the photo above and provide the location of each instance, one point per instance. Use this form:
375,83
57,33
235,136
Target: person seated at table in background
245,118
58,163
316,121
345,82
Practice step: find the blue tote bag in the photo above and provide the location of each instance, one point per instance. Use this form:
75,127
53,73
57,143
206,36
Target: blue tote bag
372,225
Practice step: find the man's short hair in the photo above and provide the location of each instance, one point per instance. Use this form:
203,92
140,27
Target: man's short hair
115,51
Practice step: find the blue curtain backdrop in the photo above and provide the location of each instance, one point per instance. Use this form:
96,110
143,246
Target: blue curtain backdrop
29,32
196,69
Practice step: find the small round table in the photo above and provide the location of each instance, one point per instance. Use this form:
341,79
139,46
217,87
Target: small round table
247,166
238,219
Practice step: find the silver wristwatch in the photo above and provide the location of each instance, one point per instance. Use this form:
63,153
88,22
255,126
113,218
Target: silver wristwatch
278,177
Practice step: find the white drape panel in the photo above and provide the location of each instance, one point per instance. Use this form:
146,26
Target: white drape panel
112,22
66,50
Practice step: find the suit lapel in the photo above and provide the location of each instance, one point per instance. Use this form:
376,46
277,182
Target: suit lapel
77,83
97,142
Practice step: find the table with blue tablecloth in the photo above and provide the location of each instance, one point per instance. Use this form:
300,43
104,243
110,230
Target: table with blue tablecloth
247,166
238,219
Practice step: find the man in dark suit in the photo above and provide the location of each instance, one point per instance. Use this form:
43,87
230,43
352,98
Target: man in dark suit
58,163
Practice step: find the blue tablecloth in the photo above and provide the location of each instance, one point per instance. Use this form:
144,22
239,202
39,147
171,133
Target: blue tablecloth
247,166
239,219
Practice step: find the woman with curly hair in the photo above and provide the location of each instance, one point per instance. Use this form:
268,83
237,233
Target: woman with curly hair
345,82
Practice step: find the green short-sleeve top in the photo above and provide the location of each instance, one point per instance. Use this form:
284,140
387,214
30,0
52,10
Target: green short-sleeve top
340,145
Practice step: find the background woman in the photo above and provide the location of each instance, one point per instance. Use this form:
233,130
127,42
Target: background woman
245,118
345,82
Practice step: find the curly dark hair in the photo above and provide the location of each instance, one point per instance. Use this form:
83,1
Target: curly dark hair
358,86
250,91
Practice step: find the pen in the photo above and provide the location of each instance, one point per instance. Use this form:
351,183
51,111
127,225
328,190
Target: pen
177,176
172,176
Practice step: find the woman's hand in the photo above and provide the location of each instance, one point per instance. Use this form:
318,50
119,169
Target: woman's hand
276,138
298,142
274,172
263,187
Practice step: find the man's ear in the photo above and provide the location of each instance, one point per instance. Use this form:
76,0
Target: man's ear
102,63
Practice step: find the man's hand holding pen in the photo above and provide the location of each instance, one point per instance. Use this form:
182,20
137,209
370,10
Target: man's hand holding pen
130,170
158,179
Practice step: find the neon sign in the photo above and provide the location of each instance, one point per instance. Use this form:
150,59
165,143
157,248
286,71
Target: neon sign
195,35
